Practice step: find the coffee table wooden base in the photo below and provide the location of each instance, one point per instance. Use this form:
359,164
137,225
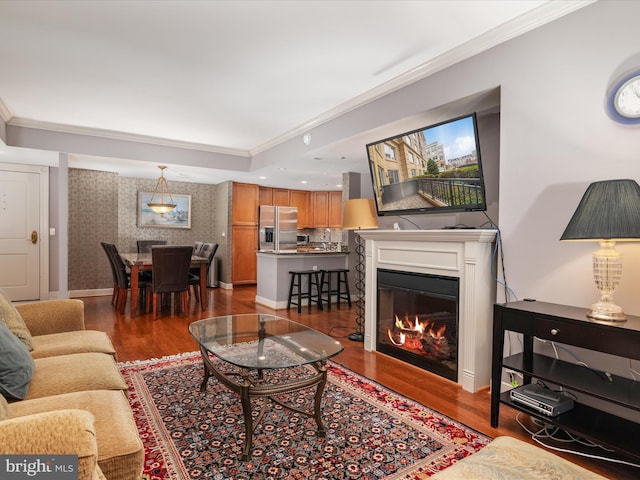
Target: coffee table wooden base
247,389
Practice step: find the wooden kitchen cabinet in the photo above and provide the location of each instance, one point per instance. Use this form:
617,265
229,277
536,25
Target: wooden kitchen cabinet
274,196
244,233
320,208
335,209
244,265
265,196
301,199
327,209
281,197
315,210
244,204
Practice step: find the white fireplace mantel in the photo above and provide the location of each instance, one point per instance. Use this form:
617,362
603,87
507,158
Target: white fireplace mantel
465,254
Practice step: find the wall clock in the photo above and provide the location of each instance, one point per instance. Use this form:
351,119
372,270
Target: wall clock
623,99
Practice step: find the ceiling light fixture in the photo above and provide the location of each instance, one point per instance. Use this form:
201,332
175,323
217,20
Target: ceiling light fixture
162,191
306,139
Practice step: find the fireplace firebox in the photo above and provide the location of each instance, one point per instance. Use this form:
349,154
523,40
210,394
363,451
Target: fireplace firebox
417,320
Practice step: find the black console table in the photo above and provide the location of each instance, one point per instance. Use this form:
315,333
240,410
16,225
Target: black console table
570,326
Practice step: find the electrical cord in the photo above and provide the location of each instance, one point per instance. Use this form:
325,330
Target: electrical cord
545,433
605,376
496,249
337,327
412,223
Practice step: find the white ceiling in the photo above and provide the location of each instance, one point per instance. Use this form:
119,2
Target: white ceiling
231,76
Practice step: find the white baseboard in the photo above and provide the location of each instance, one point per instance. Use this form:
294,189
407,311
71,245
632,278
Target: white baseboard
100,292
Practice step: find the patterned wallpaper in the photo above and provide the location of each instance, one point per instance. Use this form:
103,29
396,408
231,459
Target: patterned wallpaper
93,218
103,207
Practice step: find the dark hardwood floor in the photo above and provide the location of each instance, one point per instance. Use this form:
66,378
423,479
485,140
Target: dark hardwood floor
141,337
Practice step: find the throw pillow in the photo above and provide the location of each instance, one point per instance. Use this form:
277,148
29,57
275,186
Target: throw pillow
16,365
13,320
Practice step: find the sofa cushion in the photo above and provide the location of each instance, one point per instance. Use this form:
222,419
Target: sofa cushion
12,319
75,373
16,365
120,451
4,408
65,343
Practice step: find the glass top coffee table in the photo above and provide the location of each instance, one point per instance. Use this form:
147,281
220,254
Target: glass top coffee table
242,350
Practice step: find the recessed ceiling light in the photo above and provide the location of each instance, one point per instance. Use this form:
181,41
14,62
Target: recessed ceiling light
339,185
303,181
282,169
306,139
262,177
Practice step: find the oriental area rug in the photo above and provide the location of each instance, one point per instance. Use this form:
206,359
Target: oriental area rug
371,431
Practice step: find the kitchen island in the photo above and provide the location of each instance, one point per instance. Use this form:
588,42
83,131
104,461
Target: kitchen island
272,288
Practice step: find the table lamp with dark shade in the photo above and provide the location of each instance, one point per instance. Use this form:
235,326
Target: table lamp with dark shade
609,212
359,214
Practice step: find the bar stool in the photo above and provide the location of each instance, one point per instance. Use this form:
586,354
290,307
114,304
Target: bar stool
341,281
313,280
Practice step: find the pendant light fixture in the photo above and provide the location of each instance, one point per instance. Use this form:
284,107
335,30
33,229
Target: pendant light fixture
161,191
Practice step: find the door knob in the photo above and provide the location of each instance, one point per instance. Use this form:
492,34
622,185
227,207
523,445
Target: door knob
34,237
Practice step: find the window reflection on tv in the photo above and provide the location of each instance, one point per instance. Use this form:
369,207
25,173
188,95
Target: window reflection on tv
435,169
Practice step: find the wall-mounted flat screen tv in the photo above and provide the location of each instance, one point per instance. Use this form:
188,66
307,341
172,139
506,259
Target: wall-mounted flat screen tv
434,169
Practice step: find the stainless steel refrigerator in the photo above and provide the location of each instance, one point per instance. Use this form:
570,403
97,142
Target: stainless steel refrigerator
278,229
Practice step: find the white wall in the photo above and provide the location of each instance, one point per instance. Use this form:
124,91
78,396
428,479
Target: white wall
555,139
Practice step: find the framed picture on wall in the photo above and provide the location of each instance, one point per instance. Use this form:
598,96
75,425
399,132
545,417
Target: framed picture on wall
179,217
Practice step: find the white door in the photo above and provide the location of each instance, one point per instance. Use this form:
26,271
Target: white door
20,234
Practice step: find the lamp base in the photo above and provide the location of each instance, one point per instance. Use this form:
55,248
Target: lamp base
356,337
606,316
606,311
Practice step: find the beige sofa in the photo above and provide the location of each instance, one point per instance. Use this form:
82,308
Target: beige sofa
76,402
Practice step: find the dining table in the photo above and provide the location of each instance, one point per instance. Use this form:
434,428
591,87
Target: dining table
138,262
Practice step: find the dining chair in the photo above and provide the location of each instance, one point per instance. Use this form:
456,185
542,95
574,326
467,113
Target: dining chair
197,246
170,266
122,277
144,246
208,251
114,275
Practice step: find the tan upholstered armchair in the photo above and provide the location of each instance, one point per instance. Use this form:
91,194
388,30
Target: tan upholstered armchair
61,432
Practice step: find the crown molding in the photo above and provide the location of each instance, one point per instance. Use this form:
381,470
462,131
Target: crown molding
542,15
549,11
129,137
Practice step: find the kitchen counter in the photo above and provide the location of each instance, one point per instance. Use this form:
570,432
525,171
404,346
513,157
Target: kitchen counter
304,251
272,288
